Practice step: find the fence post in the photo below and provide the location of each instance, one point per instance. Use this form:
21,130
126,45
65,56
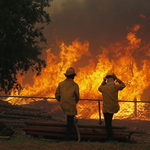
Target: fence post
99,108
135,107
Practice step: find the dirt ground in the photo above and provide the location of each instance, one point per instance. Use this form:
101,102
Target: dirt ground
140,138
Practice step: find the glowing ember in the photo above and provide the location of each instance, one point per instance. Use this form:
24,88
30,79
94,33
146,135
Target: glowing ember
118,58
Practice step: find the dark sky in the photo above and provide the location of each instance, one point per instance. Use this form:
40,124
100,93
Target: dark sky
98,21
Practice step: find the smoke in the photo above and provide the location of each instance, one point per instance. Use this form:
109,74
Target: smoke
101,22
98,21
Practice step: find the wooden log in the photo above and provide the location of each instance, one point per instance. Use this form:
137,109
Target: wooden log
100,126
64,125
62,130
45,124
57,135
44,134
81,129
55,130
23,113
59,130
24,117
48,130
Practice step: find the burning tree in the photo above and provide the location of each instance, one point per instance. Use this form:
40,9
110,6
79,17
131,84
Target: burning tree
20,38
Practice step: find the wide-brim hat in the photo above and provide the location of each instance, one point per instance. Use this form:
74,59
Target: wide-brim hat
109,74
70,71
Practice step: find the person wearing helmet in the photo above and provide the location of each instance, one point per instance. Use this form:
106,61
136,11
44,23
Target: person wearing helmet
67,93
109,92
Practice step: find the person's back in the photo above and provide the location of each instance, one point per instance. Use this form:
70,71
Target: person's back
110,96
69,96
109,92
67,93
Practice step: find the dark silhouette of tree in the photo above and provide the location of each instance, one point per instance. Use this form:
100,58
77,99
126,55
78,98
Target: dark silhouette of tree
20,38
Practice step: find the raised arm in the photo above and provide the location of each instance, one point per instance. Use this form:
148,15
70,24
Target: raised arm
121,83
103,83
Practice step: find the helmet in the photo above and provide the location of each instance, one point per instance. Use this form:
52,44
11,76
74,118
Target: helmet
70,71
109,74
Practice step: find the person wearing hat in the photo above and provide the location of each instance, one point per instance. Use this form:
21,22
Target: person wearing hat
109,92
67,93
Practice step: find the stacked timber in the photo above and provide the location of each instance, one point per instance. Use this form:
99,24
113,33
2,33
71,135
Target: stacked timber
87,132
14,116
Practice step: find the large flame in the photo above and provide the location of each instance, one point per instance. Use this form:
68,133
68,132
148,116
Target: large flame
120,58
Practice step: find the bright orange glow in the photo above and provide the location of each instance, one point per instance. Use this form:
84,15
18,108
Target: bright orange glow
142,16
131,36
117,57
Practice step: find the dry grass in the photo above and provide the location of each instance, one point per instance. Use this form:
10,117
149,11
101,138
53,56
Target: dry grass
30,143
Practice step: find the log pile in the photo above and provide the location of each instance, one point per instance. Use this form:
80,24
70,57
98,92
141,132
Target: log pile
15,116
87,132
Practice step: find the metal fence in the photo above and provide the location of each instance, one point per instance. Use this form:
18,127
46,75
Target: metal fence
134,114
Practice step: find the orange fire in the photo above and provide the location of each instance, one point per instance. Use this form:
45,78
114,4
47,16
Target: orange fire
120,58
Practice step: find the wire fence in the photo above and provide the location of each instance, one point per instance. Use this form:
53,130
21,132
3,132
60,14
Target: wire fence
134,114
